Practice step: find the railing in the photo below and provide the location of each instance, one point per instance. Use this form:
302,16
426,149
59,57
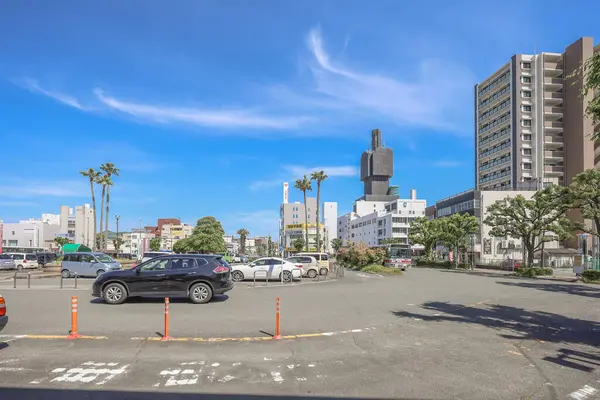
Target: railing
28,280
266,276
292,272
61,281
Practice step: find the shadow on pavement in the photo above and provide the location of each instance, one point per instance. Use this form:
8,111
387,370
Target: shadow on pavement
579,360
517,323
579,290
3,345
218,298
58,394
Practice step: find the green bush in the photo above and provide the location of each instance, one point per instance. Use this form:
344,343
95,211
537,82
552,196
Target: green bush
358,256
434,264
591,275
378,269
533,272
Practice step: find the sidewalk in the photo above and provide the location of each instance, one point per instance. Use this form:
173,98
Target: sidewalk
35,274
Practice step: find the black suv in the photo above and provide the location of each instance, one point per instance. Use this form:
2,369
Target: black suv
196,276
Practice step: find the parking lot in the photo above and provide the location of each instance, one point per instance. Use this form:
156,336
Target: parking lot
427,334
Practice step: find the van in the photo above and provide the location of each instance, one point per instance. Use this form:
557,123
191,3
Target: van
24,260
87,264
309,265
322,258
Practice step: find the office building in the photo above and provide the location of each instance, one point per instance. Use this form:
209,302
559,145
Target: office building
530,122
376,170
330,215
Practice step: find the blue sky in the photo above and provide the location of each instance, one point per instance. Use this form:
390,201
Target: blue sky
208,106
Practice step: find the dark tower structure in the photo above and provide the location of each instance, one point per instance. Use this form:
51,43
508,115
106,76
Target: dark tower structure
376,169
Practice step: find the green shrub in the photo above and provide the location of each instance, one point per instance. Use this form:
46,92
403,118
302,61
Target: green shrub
591,275
359,255
434,264
378,269
533,272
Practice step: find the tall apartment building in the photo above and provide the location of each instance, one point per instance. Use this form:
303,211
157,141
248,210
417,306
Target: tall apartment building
530,124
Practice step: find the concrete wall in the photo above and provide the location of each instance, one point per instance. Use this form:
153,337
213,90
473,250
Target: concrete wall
330,215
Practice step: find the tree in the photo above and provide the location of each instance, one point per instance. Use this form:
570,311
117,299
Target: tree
455,229
207,237
244,233
536,221
103,181
182,245
393,191
584,193
61,241
298,245
425,232
269,247
109,171
391,241
304,185
590,73
118,242
337,244
261,249
274,248
319,177
155,244
93,177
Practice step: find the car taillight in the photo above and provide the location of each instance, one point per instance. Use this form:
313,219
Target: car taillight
387,261
299,265
220,270
2,307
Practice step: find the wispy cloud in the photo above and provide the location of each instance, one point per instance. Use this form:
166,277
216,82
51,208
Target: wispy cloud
292,172
26,189
447,163
259,223
432,99
221,118
33,86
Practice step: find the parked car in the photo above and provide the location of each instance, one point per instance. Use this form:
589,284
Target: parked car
508,264
24,260
45,258
3,313
275,269
197,276
323,260
7,262
309,264
87,264
152,254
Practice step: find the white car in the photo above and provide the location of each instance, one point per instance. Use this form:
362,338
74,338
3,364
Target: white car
272,267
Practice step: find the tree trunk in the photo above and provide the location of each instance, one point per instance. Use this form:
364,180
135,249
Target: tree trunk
306,220
529,248
318,201
106,216
100,244
95,217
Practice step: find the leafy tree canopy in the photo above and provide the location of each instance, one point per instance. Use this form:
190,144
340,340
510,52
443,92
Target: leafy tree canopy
425,232
298,245
155,244
584,194
337,244
590,71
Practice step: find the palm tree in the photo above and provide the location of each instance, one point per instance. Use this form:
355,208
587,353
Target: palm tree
244,233
93,176
393,191
109,171
318,176
304,185
102,181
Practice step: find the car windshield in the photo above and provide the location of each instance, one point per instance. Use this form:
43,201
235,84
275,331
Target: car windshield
105,258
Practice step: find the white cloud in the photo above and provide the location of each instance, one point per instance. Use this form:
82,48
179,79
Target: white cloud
26,188
293,172
447,163
435,99
259,223
225,118
33,86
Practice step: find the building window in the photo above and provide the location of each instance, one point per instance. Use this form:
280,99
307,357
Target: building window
525,108
526,79
525,122
527,165
526,93
526,152
527,136
526,65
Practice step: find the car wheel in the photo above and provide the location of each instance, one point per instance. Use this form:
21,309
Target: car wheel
200,293
237,276
114,293
99,272
312,273
65,273
323,271
287,276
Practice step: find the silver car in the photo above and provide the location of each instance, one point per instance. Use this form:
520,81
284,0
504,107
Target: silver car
7,262
87,264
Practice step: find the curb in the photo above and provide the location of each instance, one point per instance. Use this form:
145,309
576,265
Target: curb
19,277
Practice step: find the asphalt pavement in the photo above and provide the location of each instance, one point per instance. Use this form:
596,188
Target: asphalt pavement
429,334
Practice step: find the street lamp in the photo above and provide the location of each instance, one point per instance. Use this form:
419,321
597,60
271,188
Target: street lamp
117,241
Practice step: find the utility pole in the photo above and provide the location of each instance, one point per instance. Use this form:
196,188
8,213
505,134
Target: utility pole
117,241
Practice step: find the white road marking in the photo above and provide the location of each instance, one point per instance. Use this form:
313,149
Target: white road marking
267,359
57,370
291,366
226,378
9,361
583,393
311,365
215,364
170,372
276,376
86,374
301,379
14,369
187,371
236,364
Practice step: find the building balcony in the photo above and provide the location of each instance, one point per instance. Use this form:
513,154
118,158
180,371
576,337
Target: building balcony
553,98
553,112
554,66
553,169
554,154
553,82
554,141
553,126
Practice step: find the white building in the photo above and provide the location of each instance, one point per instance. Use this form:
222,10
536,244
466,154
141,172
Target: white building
330,216
172,233
373,221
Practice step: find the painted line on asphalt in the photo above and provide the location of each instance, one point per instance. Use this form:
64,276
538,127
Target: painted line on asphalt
195,339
